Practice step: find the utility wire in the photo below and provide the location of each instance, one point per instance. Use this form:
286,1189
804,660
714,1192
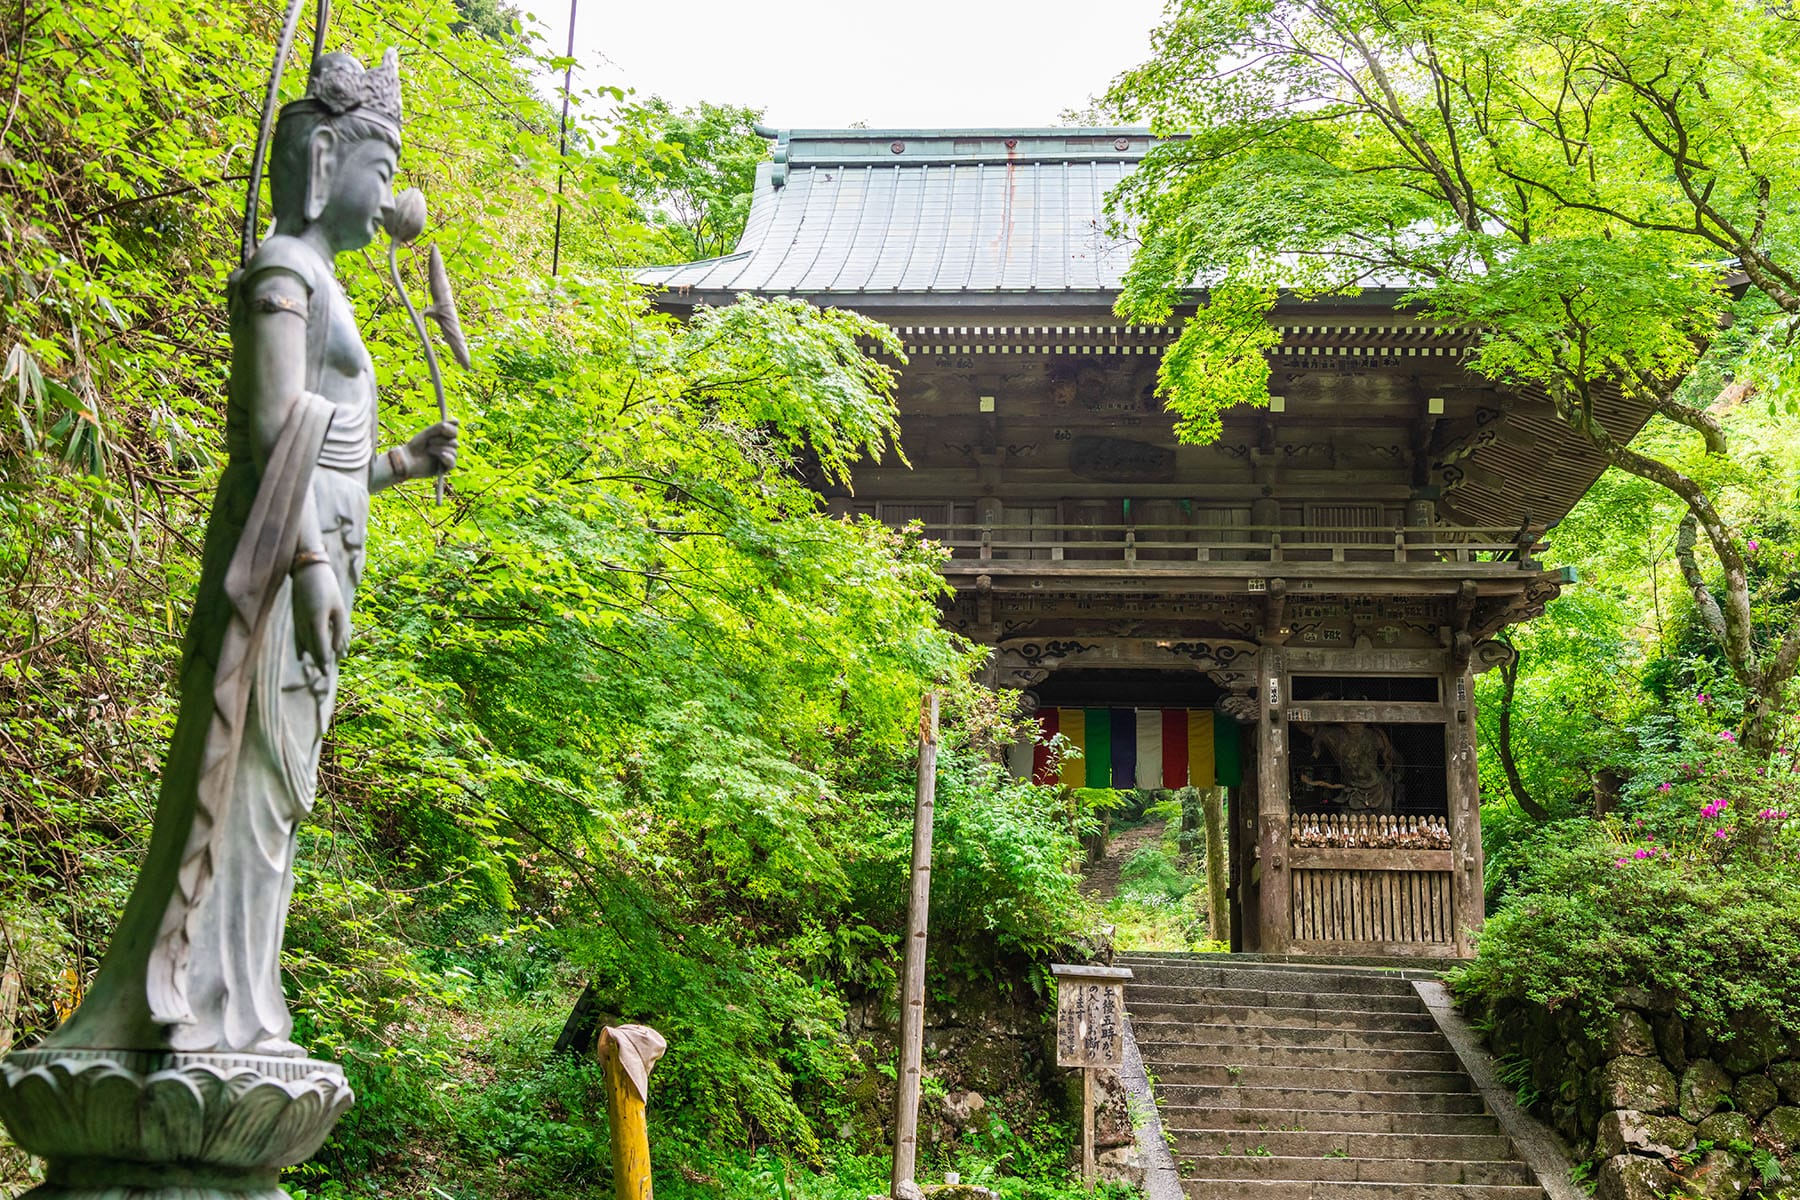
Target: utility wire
562,145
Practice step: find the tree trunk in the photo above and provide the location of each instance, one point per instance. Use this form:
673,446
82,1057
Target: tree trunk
1188,839
1767,682
10,985
1762,716
1731,622
1509,678
1218,903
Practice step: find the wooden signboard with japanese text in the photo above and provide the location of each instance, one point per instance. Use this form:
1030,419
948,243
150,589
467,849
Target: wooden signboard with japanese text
1090,1015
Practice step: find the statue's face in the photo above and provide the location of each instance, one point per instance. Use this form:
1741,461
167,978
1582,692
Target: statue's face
361,191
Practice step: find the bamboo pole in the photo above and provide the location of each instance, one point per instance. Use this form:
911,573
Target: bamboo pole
912,989
629,1052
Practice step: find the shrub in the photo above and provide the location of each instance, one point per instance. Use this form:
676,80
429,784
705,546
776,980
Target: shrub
1695,892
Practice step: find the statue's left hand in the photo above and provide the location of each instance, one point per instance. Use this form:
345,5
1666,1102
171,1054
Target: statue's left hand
431,451
321,621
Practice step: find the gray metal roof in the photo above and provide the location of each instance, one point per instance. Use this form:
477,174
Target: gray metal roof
909,212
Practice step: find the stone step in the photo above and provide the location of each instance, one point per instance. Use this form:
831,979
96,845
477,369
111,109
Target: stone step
1337,1100
1198,1033
1181,1119
1506,1173
1253,1053
1294,1189
1427,1147
1319,1018
1424,968
1283,1078
1269,978
1325,996
1348,1079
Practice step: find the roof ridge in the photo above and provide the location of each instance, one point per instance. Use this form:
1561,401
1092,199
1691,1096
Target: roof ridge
799,148
974,131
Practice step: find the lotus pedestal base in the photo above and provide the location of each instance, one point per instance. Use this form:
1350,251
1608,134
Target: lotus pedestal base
131,1125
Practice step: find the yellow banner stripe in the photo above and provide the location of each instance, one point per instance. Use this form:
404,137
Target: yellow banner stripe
1200,748
1072,724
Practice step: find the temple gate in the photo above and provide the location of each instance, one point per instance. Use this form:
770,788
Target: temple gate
1300,606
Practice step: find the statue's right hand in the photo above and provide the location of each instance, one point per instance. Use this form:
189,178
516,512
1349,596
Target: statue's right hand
321,622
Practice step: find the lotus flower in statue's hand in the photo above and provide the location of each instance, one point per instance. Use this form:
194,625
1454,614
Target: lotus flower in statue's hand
406,220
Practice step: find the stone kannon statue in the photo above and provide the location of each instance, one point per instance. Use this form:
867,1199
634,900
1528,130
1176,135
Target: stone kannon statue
186,1022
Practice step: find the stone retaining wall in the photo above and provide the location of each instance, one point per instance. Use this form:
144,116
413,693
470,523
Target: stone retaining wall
1661,1104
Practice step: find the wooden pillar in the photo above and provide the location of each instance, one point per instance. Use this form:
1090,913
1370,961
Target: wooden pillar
1271,804
1421,513
912,984
1246,913
1466,890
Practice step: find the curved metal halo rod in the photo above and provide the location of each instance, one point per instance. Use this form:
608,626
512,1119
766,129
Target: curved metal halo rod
282,49
320,24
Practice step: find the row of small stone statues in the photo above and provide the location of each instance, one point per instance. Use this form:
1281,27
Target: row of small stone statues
1368,830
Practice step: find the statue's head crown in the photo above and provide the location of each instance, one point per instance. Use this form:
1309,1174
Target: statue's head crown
340,85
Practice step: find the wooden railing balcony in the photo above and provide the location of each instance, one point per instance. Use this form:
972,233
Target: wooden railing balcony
1165,547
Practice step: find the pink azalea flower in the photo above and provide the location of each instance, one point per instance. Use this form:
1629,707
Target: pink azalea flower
1719,833
1666,787
1620,862
1640,854
1725,735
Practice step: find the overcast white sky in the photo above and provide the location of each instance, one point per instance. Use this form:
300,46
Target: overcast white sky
819,63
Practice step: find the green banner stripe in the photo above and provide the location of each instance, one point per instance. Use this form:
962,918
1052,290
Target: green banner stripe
1225,751
1099,748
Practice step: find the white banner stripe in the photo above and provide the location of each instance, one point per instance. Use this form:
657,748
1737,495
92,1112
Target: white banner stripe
1149,747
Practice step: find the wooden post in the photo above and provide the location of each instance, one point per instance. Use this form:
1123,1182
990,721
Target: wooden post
1271,805
1246,868
1467,894
629,1052
1087,1128
912,985
1090,1034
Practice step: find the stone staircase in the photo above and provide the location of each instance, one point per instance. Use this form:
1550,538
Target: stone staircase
1279,1080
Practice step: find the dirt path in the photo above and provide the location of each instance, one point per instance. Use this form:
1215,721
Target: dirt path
1102,879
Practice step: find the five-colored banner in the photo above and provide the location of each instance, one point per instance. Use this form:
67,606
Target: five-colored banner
1140,748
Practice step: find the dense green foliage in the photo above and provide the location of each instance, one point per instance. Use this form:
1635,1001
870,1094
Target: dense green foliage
1606,191
1623,727
1584,183
628,711
693,173
1695,892
1158,901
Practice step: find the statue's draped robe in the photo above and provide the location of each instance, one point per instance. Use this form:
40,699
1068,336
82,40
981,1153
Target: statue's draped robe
197,958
